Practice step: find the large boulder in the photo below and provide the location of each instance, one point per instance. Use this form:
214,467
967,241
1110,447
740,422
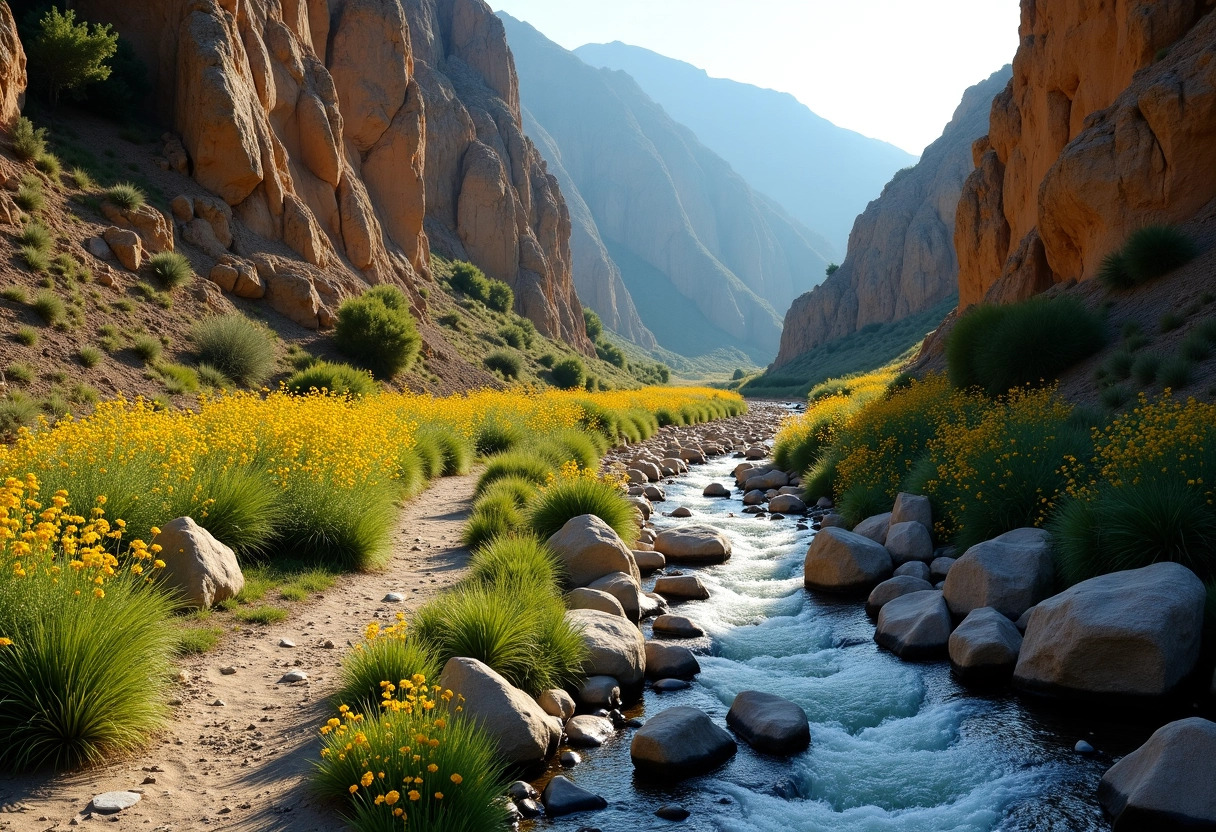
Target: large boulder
1167,783
787,504
909,540
915,626
1131,633
624,589
649,561
589,549
693,544
614,646
874,527
840,561
763,482
521,730
716,489
769,723
985,646
126,246
892,588
199,568
670,661
912,507
680,742
563,797
584,598
681,588
1010,573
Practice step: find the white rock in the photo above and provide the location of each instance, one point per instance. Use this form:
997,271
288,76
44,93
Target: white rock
111,802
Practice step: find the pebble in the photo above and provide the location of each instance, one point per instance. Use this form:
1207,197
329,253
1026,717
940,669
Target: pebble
111,802
293,676
520,790
149,781
529,808
393,598
1082,747
570,759
175,702
228,671
671,811
328,644
286,642
219,703
668,685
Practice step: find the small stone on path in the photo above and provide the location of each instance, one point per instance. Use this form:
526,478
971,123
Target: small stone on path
228,671
393,598
111,802
219,703
286,642
293,676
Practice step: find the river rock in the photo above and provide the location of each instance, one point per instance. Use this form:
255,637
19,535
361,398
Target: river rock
692,456
589,549
1167,783
754,498
676,626
1130,633
787,504
624,589
519,727
763,482
939,568
615,647
769,723
562,797
672,812
201,570
670,661
585,598
693,544
649,561
912,507
985,646
637,477
915,626
914,569
600,692
892,588
652,604
909,540
652,472
831,520
755,452
1012,573
671,685
641,504
681,512
716,489
874,527
681,588
655,494
680,742
841,561
556,702
587,731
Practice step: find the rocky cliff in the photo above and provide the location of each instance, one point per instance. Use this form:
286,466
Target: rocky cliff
901,257
360,133
12,68
705,258
1108,124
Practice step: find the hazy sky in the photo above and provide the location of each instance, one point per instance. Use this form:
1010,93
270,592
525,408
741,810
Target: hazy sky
892,69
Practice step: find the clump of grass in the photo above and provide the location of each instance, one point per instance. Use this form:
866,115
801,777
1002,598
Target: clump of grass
89,357
343,527
493,517
177,378
20,372
171,268
16,411
518,464
147,347
496,435
1176,372
377,331
1195,347
507,364
519,561
1147,254
194,641
1145,368
389,656
238,348
331,377
126,195
49,307
82,179
28,141
212,378
517,335
26,335
35,259
1170,321
29,196
49,164
35,235
455,452
561,447
451,320
575,496
14,294
260,615
1115,396
149,292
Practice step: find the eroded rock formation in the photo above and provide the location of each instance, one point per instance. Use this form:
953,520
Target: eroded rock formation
12,68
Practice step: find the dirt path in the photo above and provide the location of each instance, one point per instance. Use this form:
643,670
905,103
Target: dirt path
244,764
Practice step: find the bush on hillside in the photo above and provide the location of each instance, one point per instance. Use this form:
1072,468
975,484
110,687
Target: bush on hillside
472,282
611,353
334,378
499,296
236,346
998,348
125,195
1148,254
171,268
505,363
28,141
66,55
377,331
595,327
569,373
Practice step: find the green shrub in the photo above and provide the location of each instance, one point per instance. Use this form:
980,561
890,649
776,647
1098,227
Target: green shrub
518,561
570,446
194,641
89,357
499,296
345,527
613,354
451,320
1170,321
49,164
245,512
456,452
16,411
49,307
377,331
14,294
177,378
28,141
35,259
862,500
430,456
507,364
29,196
213,378
1115,396
331,377
389,657
240,349
1176,372
1119,365
66,55
999,348
20,372
493,517
1195,346
513,464
1148,254
82,179
547,360
171,268
125,195
569,373
575,496
146,347
518,489
595,327
516,336
35,235
469,280
410,479
495,435
1145,368
26,335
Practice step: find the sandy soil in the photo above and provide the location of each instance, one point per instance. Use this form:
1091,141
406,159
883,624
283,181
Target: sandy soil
244,764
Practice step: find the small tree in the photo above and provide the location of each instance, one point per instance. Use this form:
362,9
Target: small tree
595,327
66,54
569,374
831,269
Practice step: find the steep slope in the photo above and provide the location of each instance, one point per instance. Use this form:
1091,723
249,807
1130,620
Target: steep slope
823,175
683,217
1108,124
901,256
359,133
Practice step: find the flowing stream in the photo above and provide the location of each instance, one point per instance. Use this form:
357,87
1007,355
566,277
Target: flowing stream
894,745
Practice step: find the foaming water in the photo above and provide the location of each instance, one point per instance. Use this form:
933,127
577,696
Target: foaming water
895,747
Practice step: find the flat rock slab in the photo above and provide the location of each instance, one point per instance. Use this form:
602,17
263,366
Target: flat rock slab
769,723
681,588
676,626
680,742
915,626
111,802
693,544
562,797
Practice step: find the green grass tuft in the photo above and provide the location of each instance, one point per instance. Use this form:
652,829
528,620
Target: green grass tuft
1148,254
171,268
331,377
238,348
126,195
49,307
569,498
89,357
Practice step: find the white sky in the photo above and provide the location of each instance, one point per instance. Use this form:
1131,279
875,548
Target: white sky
891,69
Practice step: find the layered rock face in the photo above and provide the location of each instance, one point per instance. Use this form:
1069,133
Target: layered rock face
687,233
1108,124
12,68
901,254
330,125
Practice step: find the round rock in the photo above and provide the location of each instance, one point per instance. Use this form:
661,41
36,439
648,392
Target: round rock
892,588
769,723
915,626
680,742
693,544
586,731
562,797
840,561
670,661
676,626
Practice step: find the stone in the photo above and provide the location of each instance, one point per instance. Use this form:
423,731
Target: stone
1166,783
522,790
224,276
126,247
249,283
642,504
939,568
649,561
769,723
520,729
892,588
912,507
614,646
915,569
755,452
692,456
600,692
1012,573
754,498
624,589
98,247
556,702
637,477
671,685
584,598
201,570
1134,633
680,742
693,544
652,605
654,493
286,642
763,482
589,549
392,598
562,797
681,512
915,626
182,208
824,502
670,661
1082,747
832,521
985,646
154,230
874,527
227,670
588,731
787,504
841,561
112,802
715,489
681,588
570,759
293,676
676,626
652,472
672,812
909,540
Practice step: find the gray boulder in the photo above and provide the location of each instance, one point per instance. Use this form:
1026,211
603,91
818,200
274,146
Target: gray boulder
840,561
754,498
693,544
649,561
914,569
624,589
1011,573
584,598
874,527
892,588
680,742
939,568
912,507
523,733
681,512
562,797
1131,633
716,489
676,626
787,504
198,568
984,647
909,540
652,604
769,723
1167,783
670,661
614,646
765,481
587,731
831,520
915,626
589,549
655,494
600,692
556,702
681,588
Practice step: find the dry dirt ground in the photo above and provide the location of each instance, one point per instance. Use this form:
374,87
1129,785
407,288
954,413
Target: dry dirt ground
244,764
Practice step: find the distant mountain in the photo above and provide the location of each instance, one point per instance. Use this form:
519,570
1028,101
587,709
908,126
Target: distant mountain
704,258
823,175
